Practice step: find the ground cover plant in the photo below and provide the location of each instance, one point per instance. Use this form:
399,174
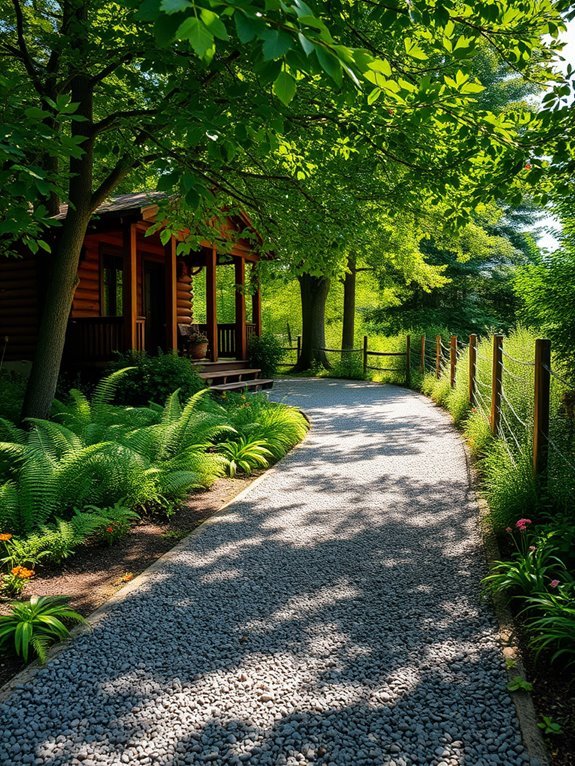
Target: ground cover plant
92,470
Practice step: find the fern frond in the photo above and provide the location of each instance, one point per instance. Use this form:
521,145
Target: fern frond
37,490
11,433
9,521
59,438
106,388
173,409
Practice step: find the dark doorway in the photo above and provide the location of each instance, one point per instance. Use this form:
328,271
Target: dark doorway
155,305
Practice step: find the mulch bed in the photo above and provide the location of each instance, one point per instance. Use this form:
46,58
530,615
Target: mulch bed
96,572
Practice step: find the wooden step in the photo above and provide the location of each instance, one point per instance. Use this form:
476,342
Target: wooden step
224,374
203,365
244,385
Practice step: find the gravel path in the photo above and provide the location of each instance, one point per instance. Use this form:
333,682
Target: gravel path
331,616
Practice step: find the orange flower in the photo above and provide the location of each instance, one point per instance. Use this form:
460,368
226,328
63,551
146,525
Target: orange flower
109,529
5,536
23,573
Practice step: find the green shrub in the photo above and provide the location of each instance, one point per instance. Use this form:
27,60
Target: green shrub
478,432
280,427
509,485
33,626
12,388
154,378
265,353
348,365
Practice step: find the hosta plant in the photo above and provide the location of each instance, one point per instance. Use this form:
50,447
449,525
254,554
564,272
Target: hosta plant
33,626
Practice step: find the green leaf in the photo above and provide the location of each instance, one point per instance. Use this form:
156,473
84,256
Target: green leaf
198,35
380,65
374,95
35,113
284,87
306,44
174,6
247,28
330,65
413,50
276,43
215,25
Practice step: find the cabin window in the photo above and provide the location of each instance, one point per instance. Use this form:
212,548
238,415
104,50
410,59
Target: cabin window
112,286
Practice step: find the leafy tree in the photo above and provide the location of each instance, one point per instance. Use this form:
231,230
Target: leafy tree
479,266
546,290
185,92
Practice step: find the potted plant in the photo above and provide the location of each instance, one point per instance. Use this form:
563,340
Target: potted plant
198,345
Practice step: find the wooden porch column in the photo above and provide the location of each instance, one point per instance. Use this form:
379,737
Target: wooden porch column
211,318
257,309
241,333
130,286
171,295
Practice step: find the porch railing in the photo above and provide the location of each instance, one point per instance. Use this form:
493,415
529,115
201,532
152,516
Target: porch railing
227,338
96,339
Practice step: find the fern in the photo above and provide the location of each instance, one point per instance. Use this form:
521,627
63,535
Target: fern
106,388
9,518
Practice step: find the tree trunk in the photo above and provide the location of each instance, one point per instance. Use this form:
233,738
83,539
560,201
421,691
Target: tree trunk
314,292
348,331
59,294
64,260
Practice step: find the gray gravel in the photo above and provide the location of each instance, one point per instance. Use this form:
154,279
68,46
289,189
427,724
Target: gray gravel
332,616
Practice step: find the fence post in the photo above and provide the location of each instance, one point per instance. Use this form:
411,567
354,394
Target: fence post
298,347
496,383
423,354
438,356
452,360
472,368
408,360
541,409
365,354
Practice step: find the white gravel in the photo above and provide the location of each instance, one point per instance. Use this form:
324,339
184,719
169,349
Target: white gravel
331,616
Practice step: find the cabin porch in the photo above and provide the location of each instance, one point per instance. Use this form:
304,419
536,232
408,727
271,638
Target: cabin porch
135,293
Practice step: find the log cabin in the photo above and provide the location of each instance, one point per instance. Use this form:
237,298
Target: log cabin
135,293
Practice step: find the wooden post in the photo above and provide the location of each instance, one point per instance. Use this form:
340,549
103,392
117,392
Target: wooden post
541,409
452,360
438,356
365,354
130,286
298,347
472,368
212,322
423,354
241,334
171,295
496,383
257,309
408,360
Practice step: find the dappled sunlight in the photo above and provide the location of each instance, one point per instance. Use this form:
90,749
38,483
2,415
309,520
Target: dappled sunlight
331,615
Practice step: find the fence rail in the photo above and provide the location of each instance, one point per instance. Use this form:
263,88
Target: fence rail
490,398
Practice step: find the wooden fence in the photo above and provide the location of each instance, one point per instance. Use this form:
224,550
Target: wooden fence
489,396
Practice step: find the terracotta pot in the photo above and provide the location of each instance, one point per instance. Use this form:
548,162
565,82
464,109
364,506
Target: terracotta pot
199,350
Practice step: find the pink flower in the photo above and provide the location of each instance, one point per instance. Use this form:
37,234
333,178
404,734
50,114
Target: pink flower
522,523
509,530
554,583
532,547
